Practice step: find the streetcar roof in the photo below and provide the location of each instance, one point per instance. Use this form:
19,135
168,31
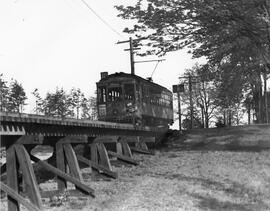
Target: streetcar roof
135,77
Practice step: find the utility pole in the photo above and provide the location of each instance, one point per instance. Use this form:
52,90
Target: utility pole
131,53
189,78
179,112
177,89
132,67
190,101
265,98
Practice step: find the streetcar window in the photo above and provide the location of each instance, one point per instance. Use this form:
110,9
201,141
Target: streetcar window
145,94
166,100
101,95
114,94
129,91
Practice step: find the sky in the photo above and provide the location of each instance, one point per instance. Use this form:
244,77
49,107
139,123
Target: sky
46,44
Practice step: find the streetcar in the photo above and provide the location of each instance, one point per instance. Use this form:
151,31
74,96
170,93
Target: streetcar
128,98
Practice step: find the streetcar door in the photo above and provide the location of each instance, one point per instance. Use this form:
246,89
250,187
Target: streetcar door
101,102
130,99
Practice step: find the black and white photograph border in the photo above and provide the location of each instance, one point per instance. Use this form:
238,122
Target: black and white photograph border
135,105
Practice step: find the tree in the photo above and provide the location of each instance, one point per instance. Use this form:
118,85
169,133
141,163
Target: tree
39,108
76,98
197,123
89,108
231,32
249,105
214,28
16,97
4,92
62,104
57,104
12,96
230,86
203,94
206,100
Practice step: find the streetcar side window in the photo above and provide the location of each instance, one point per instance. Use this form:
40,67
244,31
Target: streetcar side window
129,91
166,99
145,94
102,95
114,94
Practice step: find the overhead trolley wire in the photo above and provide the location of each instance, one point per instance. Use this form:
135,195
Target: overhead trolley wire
100,18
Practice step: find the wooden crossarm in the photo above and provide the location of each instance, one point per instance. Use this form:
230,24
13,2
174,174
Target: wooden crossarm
84,188
18,197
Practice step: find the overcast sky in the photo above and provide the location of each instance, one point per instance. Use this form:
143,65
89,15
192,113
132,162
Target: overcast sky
50,43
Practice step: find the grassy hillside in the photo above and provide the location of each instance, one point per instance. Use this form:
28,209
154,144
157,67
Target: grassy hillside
248,137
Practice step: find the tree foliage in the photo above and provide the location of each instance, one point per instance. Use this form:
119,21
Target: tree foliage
58,104
213,28
12,96
203,93
233,36
64,104
17,97
77,98
89,108
4,92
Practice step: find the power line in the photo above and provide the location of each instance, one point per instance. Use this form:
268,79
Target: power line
100,18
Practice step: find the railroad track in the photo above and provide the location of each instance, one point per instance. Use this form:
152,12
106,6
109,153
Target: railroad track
20,133
29,124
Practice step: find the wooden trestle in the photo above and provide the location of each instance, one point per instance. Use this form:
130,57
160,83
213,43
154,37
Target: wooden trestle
22,132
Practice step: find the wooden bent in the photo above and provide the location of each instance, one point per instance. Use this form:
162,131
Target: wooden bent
18,197
100,168
123,158
84,188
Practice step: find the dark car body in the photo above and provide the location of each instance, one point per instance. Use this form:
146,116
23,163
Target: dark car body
128,98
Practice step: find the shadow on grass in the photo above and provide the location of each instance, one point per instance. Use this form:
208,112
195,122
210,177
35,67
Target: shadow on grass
213,146
221,139
234,130
231,188
251,200
232,146
210,203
